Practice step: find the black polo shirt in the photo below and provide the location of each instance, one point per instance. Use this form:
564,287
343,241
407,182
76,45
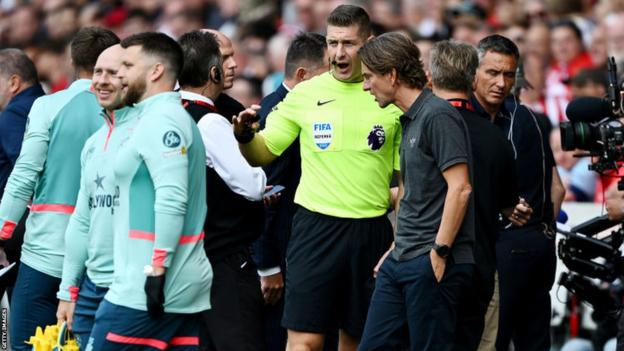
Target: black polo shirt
494,183
435,138
534,159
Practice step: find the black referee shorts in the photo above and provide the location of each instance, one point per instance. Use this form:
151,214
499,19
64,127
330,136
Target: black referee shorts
330,264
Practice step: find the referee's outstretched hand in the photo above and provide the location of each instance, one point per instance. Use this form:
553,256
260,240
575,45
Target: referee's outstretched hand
247,121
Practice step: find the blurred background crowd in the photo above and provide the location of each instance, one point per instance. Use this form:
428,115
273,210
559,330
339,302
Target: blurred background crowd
564,43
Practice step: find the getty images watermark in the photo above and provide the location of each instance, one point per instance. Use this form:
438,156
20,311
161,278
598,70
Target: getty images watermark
3,341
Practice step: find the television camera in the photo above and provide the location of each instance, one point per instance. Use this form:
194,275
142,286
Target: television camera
588,256
596,127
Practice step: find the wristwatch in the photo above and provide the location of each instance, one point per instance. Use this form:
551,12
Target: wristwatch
442,250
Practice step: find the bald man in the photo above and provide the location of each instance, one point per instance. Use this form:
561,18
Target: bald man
89,235
225,104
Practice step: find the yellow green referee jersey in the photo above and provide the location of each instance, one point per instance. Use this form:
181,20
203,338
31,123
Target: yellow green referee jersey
349,146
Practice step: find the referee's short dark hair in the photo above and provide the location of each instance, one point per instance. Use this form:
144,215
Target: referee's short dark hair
395,51
201,54
15,61
453,66
306,48
88,44
161,46
349,15
498,44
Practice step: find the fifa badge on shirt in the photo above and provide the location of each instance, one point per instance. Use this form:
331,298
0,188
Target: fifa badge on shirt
322,132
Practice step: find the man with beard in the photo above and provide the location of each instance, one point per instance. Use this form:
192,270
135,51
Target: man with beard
340,229
234,192
161,275
48,172
89,235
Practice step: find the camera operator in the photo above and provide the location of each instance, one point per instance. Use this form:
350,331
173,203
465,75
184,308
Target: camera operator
615,211
615,203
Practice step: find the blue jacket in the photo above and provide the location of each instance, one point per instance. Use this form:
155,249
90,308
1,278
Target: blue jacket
12,125
270,249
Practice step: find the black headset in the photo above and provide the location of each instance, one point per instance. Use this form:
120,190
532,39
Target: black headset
217,74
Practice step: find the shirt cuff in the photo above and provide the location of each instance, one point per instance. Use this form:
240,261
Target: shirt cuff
269,271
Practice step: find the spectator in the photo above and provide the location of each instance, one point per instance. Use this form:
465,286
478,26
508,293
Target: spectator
138,21
61,22
589,82
614,24
276,56
578,180
598,49
568,57
24,26
247,91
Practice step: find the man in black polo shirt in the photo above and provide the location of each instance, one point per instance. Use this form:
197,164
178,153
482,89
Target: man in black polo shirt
420,281
453,67
235,217
525,256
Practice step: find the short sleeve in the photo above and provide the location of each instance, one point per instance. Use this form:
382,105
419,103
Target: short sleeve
447,140
282,124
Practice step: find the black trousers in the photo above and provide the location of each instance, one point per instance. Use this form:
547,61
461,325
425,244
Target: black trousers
13,250
235,321
526,267
473,305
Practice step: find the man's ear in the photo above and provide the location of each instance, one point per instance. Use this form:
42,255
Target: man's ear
15,83
393,75
215,74
300,74
157,72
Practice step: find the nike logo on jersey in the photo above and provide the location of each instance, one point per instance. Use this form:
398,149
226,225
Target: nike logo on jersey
321,103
